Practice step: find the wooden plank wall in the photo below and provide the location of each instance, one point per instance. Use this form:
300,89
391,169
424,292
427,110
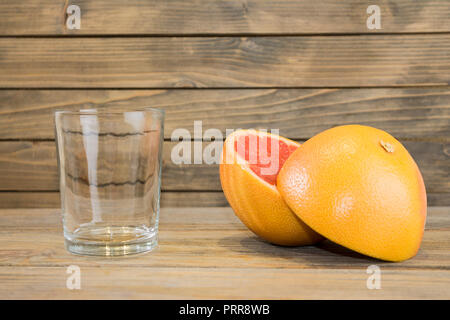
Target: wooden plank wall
300,66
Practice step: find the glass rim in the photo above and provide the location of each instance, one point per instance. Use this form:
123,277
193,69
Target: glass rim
99,112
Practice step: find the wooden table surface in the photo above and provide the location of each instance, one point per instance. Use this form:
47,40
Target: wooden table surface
206,253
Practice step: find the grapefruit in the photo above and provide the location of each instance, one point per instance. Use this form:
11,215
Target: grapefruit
359,187
250,164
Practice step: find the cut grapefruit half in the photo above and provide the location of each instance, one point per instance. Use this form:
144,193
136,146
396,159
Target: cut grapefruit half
250,164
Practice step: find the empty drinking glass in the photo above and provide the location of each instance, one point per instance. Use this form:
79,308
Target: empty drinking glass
110,178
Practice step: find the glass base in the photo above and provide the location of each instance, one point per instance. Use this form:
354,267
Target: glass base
110,241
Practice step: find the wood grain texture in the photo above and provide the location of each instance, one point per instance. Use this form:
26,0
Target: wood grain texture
322,61
31,166
422,113
168,199
159,17
228,239
225,284
438,199
207,253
